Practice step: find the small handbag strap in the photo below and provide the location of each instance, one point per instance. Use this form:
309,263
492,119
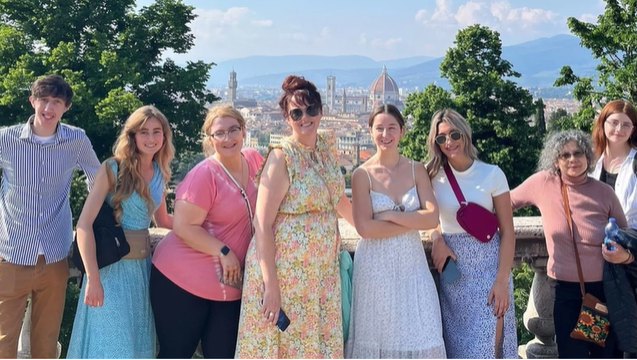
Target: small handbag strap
241,190
454,184
567,211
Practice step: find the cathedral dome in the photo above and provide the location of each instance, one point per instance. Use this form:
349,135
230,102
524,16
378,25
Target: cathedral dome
383,83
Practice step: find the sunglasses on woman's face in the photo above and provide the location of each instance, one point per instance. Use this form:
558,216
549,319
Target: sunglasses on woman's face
297,113
567,155
442,138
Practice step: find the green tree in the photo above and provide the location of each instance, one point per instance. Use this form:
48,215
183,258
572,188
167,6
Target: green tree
540,120
496,108
421,106
612,41
559,120
264,139
113,57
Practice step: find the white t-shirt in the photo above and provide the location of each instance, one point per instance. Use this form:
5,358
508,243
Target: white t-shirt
479,184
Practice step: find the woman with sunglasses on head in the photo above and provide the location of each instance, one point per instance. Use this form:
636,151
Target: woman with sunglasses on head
477,308
395,310
292,266
195,283
562,183
615,146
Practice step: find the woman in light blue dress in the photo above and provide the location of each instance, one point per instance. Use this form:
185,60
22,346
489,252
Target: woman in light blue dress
114,317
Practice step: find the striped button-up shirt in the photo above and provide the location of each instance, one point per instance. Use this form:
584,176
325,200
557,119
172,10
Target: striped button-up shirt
34,193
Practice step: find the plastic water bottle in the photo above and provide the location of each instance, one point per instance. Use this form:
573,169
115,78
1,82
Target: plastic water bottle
612,233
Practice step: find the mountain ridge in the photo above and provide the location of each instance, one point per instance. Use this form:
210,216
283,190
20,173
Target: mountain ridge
538,61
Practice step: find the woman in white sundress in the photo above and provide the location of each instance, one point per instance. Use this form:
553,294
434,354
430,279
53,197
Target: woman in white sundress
395,310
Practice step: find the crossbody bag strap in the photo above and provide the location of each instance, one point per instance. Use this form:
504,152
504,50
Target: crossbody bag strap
454,185
242,191
569,220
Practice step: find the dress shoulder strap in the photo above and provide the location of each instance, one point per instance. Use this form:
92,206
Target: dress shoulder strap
368,177
413,173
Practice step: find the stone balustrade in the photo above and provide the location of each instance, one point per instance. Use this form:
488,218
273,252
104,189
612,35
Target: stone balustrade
530,248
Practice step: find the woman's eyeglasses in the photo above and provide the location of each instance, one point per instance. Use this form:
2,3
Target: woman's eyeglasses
442,138
623,126
232,133
297,113
567,155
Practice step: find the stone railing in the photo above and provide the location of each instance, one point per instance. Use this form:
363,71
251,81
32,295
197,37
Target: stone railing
530,248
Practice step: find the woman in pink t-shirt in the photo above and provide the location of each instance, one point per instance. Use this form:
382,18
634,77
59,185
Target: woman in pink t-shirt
195,282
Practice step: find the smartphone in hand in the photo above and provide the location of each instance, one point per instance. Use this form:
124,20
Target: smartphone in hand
450,272
283,321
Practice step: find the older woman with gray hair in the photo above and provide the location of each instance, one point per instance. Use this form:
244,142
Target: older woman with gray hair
565,161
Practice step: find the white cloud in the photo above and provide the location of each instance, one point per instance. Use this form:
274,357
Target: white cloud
499,14
297,36
590,18
264,23
421,15
472,13
386,43
324,35
362,40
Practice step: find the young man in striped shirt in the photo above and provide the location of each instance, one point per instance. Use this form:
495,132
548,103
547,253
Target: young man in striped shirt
37,159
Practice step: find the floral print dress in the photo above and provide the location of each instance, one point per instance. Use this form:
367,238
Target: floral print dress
307,245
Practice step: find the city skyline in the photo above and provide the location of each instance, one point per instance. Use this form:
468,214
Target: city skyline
233,29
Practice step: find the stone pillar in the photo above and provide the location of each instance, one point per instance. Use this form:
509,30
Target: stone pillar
24,342
538,317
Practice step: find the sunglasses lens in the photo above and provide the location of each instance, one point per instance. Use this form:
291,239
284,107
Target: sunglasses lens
455,136
296,114
441,139
312,110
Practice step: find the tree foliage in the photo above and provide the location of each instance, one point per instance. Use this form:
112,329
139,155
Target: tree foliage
496,108
559,120
540,119
112,55
612,41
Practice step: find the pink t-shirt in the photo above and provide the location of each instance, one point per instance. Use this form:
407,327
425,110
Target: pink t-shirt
209,187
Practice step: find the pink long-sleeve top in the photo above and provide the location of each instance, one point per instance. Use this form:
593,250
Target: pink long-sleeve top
591,202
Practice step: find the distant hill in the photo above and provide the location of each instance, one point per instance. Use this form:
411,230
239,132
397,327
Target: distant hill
539,62
257,66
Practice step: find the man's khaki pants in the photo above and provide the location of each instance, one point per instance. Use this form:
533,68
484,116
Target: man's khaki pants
47,283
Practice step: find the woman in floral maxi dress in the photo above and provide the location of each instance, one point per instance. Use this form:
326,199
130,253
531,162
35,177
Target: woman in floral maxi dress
292,262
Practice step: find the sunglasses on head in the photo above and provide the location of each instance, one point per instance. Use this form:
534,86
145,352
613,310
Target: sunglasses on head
442,138
297,113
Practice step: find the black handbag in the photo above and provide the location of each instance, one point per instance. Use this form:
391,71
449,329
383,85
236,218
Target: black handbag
110,241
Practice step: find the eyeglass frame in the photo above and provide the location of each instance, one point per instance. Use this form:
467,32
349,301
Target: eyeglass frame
447,137
620,124
226,133
576,154
302,111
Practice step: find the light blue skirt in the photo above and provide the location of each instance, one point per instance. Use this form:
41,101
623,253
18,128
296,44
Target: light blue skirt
123,327
469,324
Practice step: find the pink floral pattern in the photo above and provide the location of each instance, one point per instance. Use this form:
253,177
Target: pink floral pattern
307,245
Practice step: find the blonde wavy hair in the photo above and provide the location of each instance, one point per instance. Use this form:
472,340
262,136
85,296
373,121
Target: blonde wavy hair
436,156
213,113
129,177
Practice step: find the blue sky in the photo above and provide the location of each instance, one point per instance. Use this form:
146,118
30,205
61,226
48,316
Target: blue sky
382,30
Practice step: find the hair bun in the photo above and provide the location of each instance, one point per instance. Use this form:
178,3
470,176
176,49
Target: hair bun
292,83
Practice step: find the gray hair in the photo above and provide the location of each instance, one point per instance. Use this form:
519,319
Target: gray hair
555,143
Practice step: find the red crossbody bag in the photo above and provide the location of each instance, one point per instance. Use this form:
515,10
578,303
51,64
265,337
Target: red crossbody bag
473,218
